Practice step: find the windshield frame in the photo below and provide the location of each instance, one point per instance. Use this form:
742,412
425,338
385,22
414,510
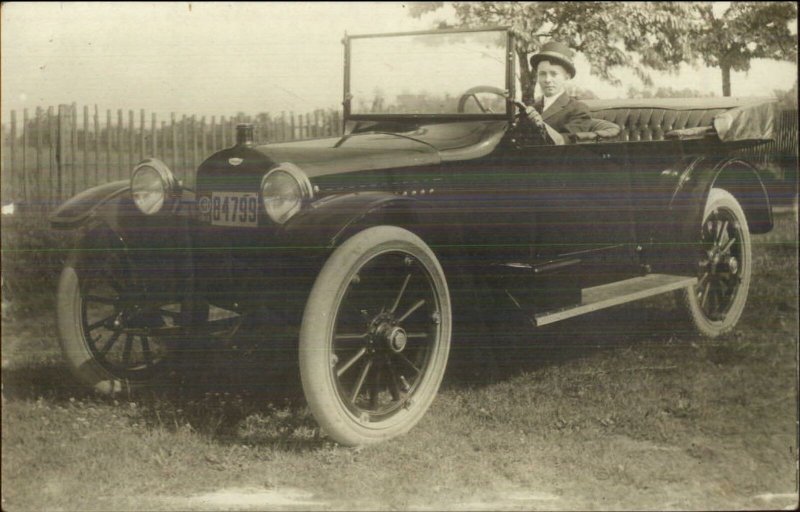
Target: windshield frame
510,81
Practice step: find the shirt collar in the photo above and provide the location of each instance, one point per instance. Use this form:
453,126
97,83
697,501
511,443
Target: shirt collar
550,100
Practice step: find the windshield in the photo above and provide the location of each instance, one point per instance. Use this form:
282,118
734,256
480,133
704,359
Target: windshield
432,73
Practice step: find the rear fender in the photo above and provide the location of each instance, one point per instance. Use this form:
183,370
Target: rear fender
676,250
735,175
741,179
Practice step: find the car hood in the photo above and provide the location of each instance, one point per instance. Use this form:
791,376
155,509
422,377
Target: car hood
428,144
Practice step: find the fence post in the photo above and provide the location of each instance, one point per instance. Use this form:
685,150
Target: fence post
141,134
161,150
153,136
60,149
109,133
38,174
52,134
299,127
131,141
193,163
12,154
85,178
203,146
96,145
26,193
267,136
120,143
174,130
73,149
185,146
5,189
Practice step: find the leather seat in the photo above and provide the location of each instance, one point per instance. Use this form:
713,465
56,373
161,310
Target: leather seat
653,123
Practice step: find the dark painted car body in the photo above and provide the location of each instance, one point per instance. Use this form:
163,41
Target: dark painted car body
408,221
570,216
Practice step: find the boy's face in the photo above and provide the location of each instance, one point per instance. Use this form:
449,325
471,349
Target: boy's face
552,78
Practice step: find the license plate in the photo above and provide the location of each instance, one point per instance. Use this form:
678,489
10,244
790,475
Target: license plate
234,209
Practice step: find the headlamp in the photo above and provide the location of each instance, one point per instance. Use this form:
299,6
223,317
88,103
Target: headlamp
153,186
283,191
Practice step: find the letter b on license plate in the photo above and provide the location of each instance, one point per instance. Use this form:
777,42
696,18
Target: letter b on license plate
234,209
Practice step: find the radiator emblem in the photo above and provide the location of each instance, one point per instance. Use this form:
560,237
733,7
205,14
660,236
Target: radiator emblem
204,205
235,161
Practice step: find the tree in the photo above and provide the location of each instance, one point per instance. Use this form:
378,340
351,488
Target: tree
640,36
743,32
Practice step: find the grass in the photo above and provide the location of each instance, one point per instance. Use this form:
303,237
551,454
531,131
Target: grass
621,409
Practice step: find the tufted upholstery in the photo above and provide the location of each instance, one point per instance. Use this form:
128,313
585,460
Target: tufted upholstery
653,123
651,119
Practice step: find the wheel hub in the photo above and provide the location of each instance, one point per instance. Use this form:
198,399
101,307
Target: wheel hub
391,336
397,339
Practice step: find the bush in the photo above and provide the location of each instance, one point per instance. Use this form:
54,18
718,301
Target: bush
32,256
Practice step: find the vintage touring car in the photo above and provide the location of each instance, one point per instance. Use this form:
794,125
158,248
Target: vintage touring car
435,204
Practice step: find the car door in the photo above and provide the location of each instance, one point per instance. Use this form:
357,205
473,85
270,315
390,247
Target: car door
583,205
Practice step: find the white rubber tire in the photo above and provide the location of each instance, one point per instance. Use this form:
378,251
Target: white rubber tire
317,331
722,200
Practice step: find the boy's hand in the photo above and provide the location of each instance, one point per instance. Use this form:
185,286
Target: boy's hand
535,117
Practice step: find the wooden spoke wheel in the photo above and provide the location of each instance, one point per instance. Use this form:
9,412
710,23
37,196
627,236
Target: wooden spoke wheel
375,336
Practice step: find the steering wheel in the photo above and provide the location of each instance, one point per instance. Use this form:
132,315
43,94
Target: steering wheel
472,93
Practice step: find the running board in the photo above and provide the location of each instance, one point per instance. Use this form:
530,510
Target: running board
613,294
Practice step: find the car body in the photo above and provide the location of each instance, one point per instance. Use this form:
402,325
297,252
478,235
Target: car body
432,207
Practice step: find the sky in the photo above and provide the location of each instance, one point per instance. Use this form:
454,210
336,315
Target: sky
217,58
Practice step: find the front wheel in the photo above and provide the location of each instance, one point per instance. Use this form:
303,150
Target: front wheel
375,336
717,301
113,335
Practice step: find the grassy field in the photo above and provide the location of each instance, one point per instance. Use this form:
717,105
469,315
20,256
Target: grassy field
621,409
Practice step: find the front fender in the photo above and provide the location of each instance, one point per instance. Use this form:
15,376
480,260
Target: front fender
78,209
111,203
158,247
331,220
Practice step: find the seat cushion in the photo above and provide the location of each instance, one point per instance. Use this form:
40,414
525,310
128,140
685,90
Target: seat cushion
652,118
653,123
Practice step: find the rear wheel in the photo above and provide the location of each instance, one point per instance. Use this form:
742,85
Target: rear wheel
375,336
715,304
113,336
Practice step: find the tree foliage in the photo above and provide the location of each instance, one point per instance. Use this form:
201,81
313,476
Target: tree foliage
743,32
641,36
612,35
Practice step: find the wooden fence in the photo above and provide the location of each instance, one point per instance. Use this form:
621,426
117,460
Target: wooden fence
51,154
